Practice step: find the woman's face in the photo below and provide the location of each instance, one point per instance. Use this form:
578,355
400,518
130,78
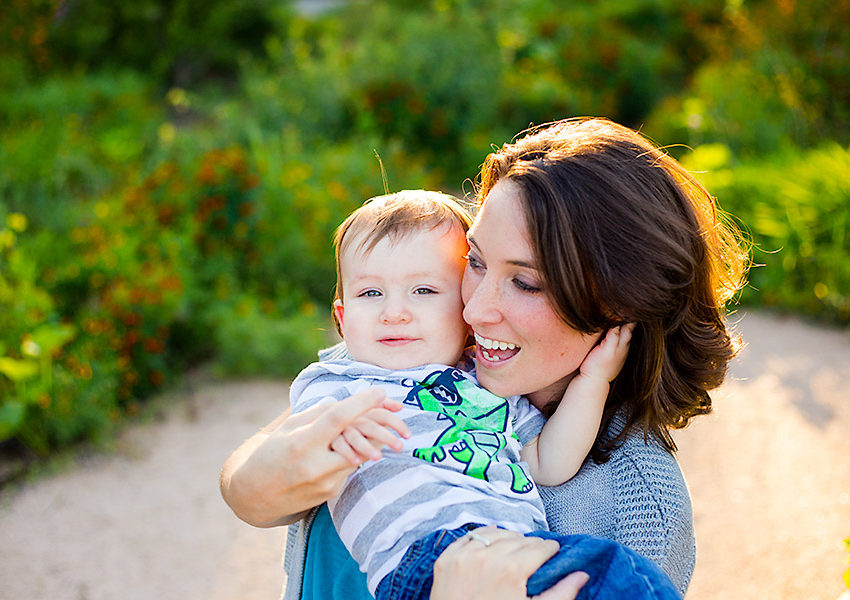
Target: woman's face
523,347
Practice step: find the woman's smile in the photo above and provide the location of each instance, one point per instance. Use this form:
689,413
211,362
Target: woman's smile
495,351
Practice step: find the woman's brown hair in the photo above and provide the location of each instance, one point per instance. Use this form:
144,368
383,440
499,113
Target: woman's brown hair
622,233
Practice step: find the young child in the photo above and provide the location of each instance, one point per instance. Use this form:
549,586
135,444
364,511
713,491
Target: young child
472,457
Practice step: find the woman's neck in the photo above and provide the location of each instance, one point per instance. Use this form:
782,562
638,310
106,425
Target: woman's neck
552,393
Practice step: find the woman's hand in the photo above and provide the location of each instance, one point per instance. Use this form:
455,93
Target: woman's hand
469,570
299,461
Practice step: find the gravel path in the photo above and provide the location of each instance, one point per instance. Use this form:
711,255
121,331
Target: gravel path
769,473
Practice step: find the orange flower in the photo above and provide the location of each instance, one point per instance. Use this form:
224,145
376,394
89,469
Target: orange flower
207,175
246,209
153,345
157,378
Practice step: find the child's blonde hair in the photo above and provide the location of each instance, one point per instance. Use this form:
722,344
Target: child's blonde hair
393,216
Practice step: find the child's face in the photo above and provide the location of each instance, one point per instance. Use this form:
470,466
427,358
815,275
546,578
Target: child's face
401,303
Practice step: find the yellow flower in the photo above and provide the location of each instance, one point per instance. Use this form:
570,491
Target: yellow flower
7,238
17,222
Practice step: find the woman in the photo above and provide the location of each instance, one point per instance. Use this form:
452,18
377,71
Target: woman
584,225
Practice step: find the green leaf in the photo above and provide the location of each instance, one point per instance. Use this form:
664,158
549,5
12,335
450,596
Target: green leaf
52,337
18,370
11,416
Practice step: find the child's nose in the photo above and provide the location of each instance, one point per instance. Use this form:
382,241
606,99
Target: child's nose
394,313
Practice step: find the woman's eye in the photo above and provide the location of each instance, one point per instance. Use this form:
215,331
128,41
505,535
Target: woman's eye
474,263
424,290
525,287
369,294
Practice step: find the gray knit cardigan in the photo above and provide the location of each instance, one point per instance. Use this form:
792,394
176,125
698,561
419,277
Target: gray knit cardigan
638,498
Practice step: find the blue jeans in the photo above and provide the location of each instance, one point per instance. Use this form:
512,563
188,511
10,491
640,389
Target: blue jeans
616,573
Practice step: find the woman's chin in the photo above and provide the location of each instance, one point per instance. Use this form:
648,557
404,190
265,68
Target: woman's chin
496,377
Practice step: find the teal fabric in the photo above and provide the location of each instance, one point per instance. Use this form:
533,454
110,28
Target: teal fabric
329,570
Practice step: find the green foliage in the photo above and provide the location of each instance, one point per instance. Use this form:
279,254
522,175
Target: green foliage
171,173
71,136
220,248
774,77
847,572
45,365
736,103
178,43
612,58
796,207
253,342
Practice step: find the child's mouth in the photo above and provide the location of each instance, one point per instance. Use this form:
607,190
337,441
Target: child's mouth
395,341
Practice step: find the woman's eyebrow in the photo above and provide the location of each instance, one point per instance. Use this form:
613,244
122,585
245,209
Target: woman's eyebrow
518,263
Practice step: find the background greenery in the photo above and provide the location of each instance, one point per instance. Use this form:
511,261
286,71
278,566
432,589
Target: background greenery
171,171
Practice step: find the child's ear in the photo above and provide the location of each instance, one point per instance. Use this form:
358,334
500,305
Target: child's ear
339,310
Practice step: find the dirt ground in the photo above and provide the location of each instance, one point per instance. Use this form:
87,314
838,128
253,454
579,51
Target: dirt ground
769,473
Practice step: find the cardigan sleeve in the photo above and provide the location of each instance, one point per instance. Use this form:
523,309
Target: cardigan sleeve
652,509
638,498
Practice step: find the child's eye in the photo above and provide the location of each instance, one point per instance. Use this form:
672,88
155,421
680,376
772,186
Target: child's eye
474,263
424,290
369,294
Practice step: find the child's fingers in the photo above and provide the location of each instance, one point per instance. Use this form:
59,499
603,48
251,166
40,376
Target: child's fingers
333,420
341,447
626,332
624,337
378,434
389,421
392,405
360,444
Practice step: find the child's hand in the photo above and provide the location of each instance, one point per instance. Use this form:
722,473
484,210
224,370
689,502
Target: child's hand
606,359
363,439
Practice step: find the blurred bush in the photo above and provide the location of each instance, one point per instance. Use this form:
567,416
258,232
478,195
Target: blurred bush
171,172
200,247
178,43
776,77
796,208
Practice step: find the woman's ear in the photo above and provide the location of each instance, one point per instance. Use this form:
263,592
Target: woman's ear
339,310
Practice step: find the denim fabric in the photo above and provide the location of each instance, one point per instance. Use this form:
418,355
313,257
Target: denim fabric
615,571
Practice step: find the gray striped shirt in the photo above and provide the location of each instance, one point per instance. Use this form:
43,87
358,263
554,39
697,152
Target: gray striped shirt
460,465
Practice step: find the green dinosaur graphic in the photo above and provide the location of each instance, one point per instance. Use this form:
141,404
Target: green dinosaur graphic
476,423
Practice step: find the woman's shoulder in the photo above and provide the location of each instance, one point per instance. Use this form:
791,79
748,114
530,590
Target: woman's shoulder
645,477
642,462
638,498
640,481
652,506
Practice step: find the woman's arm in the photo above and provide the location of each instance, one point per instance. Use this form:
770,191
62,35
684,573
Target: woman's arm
291,465
557,454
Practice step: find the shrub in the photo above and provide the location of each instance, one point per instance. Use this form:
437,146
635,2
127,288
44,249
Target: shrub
54,387
177,43
72,137
796,206
252,339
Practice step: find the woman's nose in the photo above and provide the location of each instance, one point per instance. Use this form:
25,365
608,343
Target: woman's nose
482,304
